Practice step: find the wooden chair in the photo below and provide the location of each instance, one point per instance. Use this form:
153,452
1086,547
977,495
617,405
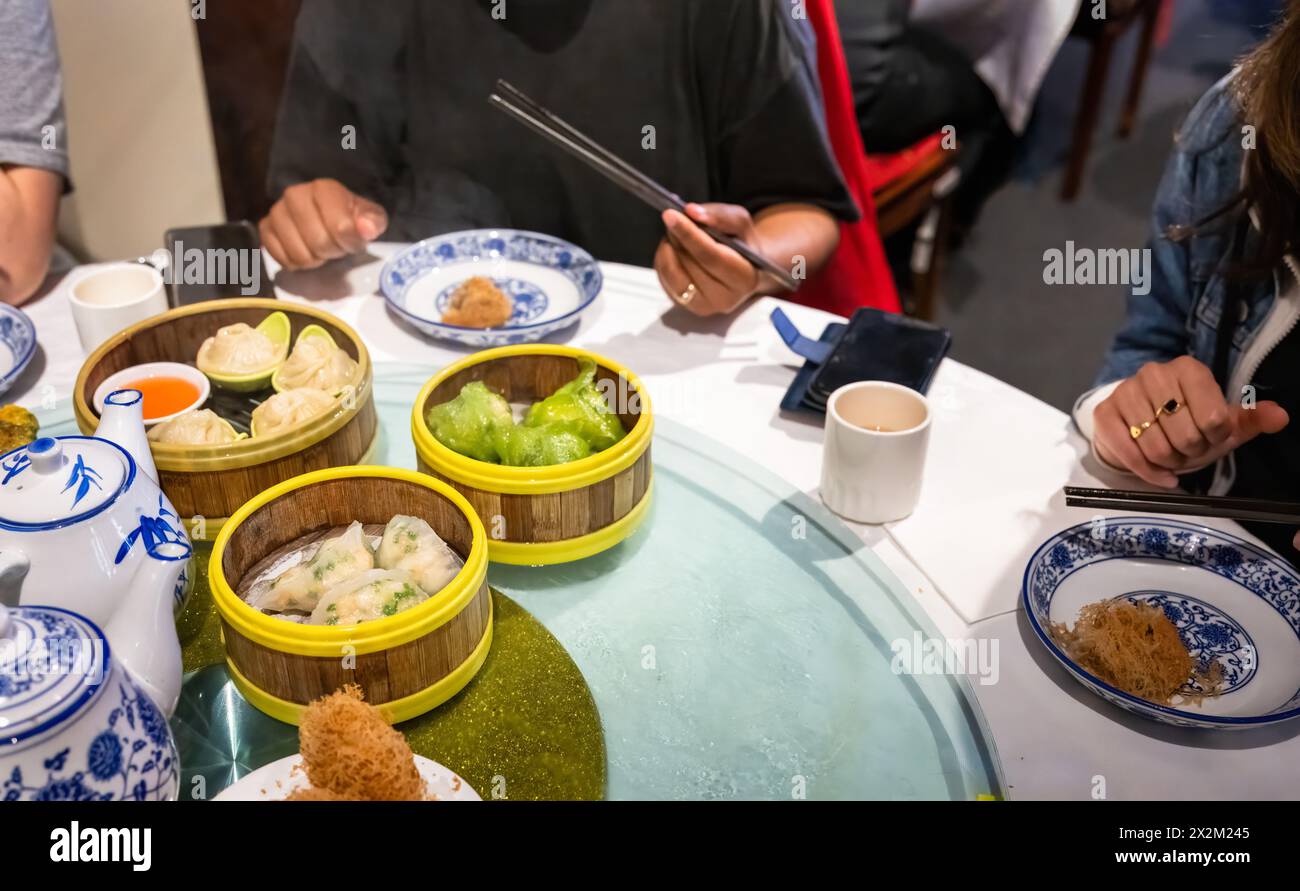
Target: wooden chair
1103,34
915,186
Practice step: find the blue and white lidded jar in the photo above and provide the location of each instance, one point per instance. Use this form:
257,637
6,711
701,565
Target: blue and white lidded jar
74,724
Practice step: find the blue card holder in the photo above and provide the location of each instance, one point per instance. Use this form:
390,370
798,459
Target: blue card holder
815,352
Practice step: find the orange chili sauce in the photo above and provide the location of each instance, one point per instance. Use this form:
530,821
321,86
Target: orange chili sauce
165,396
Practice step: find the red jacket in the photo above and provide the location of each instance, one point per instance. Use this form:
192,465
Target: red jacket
858,273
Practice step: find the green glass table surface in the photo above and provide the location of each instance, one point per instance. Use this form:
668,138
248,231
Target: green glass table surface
740,644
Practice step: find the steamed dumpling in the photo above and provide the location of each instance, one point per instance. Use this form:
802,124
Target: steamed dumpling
368,596
289,409
410,545
319,364
238,349
300,587
202,427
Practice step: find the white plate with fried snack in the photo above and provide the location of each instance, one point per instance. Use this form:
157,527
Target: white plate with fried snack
544,285
277,780
1234,605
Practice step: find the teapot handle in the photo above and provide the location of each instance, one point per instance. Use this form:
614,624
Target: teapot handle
13,569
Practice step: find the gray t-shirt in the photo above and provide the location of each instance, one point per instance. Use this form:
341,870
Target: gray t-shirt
721,82
33,132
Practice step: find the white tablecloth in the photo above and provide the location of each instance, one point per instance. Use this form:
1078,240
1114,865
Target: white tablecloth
998,460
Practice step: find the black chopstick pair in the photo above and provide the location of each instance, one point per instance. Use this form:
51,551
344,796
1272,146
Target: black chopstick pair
1258,510
517,105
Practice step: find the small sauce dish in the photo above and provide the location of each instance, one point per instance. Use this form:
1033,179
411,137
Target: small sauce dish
170,389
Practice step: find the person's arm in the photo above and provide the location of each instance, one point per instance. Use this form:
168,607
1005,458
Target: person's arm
33,151
1159,412
794,236
29,204
778,186
1155,323
335,158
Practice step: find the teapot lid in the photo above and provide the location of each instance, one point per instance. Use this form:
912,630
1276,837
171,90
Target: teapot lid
52,664
55,482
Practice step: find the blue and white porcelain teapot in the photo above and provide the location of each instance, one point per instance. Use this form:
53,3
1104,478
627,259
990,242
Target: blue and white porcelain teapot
84,526
74,724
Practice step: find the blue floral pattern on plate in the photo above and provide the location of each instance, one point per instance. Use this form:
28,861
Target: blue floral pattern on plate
1210,634
529,300
534,318
18,336
1207,629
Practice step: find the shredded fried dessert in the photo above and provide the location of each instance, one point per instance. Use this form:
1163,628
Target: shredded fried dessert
311,793
350,753
1134,647
478,303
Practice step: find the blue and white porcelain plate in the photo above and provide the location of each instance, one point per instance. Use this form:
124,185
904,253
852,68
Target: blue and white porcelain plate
550,281
1233,602
17,344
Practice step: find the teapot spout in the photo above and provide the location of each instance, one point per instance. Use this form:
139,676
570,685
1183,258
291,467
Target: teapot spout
122,422
142,631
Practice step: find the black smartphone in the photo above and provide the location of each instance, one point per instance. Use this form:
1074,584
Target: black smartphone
881,346
214,262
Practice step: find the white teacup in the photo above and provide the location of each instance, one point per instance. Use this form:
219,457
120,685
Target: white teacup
114,296
876,438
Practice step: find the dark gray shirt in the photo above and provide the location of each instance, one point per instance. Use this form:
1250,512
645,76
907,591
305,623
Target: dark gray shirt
32,128
721,82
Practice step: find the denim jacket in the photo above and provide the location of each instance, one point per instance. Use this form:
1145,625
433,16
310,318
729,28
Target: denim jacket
1180,314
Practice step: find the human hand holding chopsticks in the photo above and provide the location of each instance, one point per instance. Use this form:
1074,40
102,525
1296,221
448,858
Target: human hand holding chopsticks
1172,418
709,278
703,275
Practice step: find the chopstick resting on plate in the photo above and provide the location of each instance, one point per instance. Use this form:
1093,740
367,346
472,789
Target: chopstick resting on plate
1258,510
550,126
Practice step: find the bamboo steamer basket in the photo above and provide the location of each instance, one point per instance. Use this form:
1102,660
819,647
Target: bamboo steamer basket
407,663
211,482
538,516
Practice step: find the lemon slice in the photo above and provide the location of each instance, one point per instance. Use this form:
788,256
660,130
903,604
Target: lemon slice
276,327
310,332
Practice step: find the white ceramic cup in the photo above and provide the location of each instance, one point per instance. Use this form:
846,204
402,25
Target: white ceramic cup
877,434
114,296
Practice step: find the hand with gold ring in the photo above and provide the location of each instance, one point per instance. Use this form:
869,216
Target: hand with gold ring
1170,407
1172,418
700,274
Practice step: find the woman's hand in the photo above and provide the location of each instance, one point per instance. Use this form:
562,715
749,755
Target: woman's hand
318,221
1202,430
702,275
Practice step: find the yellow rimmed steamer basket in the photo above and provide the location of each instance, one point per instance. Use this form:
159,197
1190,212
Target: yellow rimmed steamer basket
537,516
213,481
408,663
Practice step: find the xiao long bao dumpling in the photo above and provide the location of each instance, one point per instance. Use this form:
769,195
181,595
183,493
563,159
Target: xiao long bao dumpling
317,363
300,587
368,596
289,409
236,350
203,427
409,544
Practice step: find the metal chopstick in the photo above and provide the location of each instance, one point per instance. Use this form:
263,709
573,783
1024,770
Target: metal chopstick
622,174
1259,510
